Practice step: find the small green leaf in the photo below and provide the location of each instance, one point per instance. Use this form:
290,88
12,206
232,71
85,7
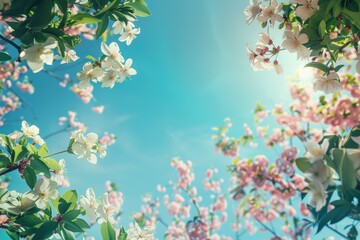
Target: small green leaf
4,56
303,164
122,234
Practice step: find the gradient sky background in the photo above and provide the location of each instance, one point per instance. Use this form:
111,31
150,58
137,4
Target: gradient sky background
192,73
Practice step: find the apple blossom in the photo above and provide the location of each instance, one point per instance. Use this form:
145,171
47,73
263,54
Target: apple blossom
89,73
70,55
136,233
40,54
252,11
294,42
85,146
113,55
126,70
90,204
129,33
44,190
271,13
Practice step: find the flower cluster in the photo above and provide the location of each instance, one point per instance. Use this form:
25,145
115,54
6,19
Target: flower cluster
113,68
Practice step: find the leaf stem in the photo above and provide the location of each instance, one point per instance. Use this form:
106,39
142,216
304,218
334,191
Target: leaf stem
56,153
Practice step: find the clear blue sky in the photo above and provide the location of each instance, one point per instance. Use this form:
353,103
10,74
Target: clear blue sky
192,73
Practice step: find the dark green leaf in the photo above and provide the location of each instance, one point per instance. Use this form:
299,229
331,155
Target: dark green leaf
4,56
30,176
102,26
46,230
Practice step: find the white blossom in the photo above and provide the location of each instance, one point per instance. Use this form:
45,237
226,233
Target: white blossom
327,84
136,233
318,195
85,146
40,54
109,78
70,55
44,190
316,152
90,204
113,55
294,42
129,33
126,70
306,8
271,13
89,73
106,211
252,11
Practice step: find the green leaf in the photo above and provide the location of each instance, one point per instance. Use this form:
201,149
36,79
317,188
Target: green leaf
322,28
46,230
345,168
303,164
43,14
337,68
4,161
81,223
102,26
66,234
20,152
40,166
31,148
70,196
141,10
122,234
51,163
12,235
107,231
63,206
43,150
73,227
318,65
30,176
70,215
112,5
336,213
4,56
62,4
28,220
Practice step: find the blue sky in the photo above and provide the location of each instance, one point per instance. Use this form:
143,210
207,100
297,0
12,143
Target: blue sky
192,73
